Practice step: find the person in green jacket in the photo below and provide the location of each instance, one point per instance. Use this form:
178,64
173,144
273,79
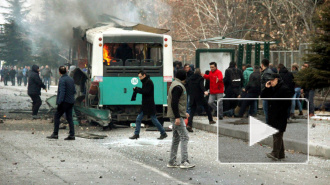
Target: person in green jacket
246,74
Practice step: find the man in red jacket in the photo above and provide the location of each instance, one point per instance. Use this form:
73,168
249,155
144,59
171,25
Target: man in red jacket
216,88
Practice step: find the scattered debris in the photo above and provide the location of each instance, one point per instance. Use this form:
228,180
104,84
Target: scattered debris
62,161
313,125
32,132
91,136
15,163
1,121
101,177
190,178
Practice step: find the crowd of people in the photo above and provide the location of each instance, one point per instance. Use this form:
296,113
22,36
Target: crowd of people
236,83
20,75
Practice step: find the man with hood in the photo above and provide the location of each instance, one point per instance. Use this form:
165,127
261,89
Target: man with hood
197,91
177,102
277,110
34,90
148,105
266,72
216,88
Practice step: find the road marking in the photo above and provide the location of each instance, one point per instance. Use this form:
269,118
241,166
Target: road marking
158,171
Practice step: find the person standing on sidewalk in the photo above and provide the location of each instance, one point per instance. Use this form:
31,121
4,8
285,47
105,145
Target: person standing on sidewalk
12,74
177,105
19,76
189,72
266,72
148,105
34,88
65,101
297,89
277,111
47,73
25,75
196,86
5,72
216,88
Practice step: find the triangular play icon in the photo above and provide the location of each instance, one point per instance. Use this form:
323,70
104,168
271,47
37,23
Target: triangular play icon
259,130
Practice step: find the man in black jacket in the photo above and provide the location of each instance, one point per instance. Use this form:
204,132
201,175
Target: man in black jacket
197,91
233,85
65,101
12,74
287,78
266,72
34,87
189,72
252,89
148,105
5,73
277,110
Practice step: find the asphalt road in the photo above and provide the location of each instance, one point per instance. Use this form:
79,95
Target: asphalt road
27,157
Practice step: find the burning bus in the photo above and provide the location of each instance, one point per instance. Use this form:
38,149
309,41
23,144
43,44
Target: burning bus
109,58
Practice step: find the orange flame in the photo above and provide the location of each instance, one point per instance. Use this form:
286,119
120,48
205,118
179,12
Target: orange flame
106,54
4,116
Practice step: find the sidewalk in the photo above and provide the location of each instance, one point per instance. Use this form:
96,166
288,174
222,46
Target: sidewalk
50,92
294,137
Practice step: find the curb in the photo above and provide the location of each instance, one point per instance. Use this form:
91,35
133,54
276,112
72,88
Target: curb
314,149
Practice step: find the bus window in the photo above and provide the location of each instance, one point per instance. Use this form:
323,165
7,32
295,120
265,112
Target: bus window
132,54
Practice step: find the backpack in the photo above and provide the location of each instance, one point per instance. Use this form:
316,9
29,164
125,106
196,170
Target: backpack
235,78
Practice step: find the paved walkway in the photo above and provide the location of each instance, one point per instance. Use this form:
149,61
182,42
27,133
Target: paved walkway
295,137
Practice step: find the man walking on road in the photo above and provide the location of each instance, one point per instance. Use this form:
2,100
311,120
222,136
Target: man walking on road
148,105
65,101
216,88
12,74
34,88
277,111
197,92
177,104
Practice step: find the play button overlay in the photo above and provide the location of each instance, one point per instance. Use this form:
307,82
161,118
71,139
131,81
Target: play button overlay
259,130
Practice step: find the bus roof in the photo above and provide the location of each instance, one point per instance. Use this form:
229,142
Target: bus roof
137,30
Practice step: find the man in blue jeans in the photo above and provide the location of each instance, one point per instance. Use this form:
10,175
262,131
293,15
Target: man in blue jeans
148,105
266,73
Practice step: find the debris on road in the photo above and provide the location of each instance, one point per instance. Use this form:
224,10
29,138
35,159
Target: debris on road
91,136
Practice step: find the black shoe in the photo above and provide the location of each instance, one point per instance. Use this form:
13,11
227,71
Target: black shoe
162,136
212,122
52,136
134,137
190,129
70,138
220,118
270,155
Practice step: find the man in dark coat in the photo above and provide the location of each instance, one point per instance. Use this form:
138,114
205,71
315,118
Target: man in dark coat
34,87
12,74
148,105
5,75
252,89
233,85
287,78
277,110
65,101
266,72
189,74
197,91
